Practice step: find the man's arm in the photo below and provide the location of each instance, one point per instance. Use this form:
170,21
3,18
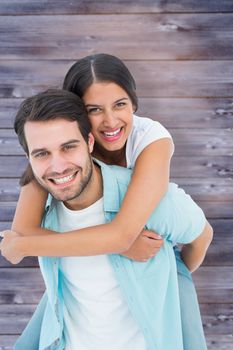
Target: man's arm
194,253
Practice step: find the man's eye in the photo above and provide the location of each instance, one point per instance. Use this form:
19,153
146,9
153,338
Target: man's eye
41,154
68,147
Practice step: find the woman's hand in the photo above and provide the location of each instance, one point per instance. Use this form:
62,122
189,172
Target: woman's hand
10,247
145,247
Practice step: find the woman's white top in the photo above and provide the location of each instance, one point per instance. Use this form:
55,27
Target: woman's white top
144,132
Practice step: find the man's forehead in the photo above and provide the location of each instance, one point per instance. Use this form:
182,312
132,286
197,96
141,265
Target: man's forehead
44,134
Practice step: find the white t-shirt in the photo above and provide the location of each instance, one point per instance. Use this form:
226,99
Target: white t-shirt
101,319
144,132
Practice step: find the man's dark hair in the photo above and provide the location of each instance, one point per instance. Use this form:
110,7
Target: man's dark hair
97,69
49,105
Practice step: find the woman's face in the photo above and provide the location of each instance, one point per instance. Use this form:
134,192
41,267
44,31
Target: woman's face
110,111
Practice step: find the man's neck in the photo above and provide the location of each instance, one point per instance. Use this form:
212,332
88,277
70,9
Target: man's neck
92,193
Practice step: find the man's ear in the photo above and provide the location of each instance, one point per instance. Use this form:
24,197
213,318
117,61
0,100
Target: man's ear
91,142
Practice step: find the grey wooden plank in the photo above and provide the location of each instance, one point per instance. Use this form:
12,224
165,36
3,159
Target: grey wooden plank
215,296
9,143
171,112
221,226
217,318
186,36
202,167
154,78
22,7
214,278
204,142
20,285
188,113
188,142
9,190
219,342
217,210
14,318
8,109
220,250
5,225
207,189
26,262
7,341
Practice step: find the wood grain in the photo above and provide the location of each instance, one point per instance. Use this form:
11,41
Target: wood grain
184,79
190,36
180,53
35,7
212,113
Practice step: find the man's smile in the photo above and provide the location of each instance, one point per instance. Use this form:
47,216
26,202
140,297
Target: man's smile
65,180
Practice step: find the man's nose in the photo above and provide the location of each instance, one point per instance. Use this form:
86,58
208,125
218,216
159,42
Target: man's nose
58,164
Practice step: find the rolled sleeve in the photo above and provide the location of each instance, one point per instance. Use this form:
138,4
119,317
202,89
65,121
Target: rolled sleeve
178,218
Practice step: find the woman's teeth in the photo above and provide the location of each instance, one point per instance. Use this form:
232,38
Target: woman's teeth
63,180
113,133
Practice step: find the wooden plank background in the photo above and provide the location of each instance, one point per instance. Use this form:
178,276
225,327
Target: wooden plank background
181,55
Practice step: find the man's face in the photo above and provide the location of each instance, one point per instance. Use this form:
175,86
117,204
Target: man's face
59,156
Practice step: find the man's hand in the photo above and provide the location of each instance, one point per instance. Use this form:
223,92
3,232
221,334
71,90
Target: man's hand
145,247
9,246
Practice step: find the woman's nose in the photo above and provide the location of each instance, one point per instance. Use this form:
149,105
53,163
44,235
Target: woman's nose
110,119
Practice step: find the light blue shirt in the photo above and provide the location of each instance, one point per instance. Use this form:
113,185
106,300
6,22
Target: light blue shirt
150,288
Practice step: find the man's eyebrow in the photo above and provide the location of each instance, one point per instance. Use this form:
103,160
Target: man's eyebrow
38,150
69,142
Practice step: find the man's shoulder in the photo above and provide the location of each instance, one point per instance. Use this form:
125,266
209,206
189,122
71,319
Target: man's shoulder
122,175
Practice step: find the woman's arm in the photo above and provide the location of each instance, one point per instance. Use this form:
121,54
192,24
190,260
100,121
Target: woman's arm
148,185
30,209
194,253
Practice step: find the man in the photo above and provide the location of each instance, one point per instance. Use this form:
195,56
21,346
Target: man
98,301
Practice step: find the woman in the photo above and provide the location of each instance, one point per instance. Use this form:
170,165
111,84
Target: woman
108,92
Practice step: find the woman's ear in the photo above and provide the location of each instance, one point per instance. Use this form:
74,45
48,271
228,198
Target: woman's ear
91,142
134,108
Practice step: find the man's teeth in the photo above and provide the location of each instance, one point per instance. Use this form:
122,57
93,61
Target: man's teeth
63,180
113,133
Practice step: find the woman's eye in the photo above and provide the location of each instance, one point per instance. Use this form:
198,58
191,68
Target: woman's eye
120,104
93,110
